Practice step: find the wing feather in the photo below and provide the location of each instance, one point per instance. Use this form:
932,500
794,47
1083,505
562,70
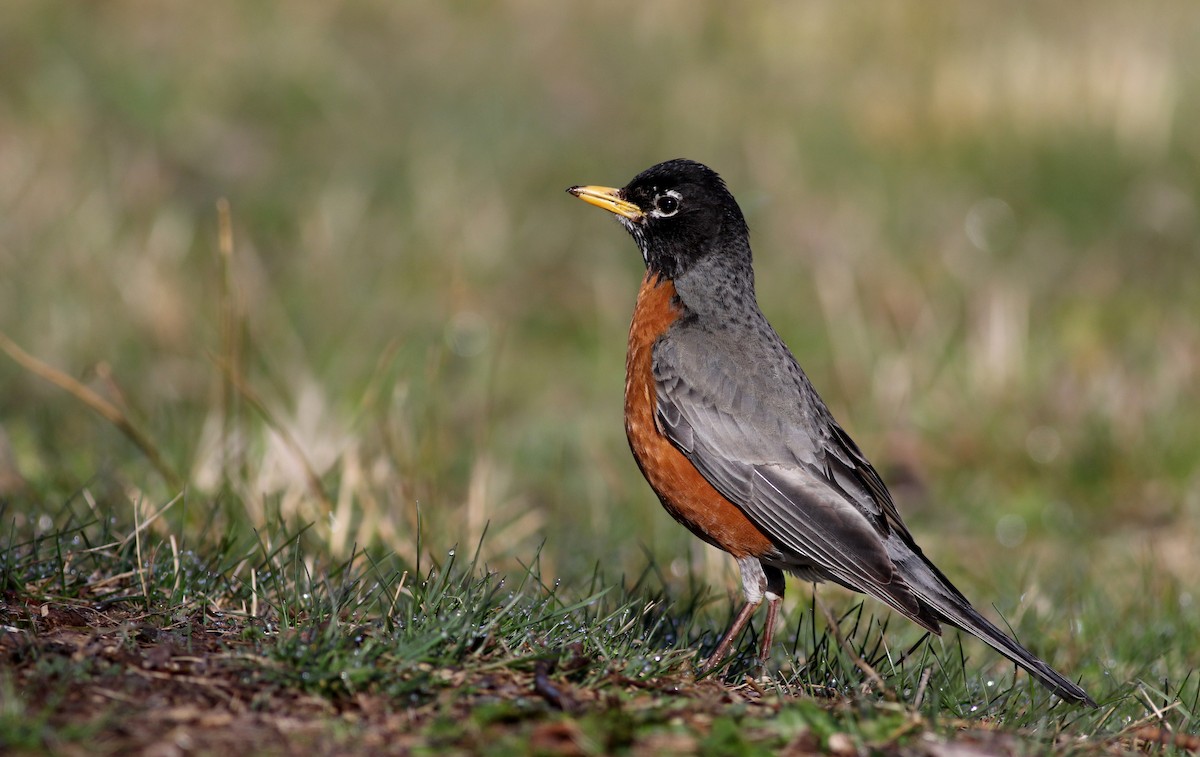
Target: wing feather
791,470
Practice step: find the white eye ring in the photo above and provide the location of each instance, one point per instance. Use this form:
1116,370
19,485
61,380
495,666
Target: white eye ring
666,204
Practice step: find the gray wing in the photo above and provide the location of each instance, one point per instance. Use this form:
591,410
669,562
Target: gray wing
763,438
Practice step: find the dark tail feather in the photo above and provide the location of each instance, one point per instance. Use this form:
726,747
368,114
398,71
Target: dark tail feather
935,590
966,618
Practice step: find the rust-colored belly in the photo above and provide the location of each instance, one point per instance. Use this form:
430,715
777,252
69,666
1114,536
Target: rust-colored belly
684,492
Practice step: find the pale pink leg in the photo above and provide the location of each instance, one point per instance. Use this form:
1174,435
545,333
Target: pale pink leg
722,649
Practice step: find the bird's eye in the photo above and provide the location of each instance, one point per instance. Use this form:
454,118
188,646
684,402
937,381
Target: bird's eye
667,204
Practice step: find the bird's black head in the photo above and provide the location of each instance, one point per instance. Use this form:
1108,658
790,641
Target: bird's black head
679,213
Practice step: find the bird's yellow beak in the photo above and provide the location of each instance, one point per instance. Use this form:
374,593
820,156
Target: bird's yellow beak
608,198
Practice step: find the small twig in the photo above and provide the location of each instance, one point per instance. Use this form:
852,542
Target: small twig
758,689
138,528
115,695
396,596
112,579
862,664
921,688
103,407
1158,712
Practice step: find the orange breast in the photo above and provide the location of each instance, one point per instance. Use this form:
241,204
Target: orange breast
686,494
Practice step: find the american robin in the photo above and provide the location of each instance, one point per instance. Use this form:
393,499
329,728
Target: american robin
731,435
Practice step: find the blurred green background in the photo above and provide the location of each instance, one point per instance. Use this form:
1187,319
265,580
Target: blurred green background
975,225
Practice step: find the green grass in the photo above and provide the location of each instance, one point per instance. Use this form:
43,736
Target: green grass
104,626
976,227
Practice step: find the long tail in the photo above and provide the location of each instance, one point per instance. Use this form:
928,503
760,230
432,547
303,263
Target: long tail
949,605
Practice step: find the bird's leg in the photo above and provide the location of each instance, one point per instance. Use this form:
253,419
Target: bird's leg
739,623
774,595
754,584
768,635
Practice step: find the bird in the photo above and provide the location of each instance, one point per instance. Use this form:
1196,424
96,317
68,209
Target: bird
731,435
